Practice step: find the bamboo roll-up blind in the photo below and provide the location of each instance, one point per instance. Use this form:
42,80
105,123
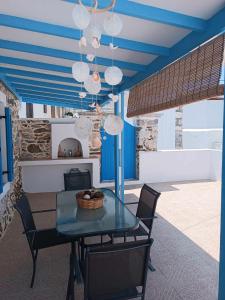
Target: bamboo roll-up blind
194,77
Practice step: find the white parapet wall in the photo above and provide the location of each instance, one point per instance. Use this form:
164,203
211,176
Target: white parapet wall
43,176
180,165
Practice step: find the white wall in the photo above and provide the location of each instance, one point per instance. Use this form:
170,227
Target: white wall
180,165
38,111
197,119
166,130
203,114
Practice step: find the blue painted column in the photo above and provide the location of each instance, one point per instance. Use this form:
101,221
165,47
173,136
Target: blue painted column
221,295
119,151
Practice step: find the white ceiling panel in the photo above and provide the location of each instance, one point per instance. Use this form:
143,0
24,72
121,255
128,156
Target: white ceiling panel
51,60
55,42
204,9
59,12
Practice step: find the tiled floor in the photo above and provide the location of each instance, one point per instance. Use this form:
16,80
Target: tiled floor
185,251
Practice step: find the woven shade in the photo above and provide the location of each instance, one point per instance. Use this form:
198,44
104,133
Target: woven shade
192,78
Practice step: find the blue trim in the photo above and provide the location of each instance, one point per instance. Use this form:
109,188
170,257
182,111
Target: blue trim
116,155
54,103
9,144
39,65
44,84
122,164
1,175
215,26
66,32
221,295
40,50
150,13
20,88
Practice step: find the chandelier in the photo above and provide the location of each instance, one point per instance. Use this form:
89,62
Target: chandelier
86,71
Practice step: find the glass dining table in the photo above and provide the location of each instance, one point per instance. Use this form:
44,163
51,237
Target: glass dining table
77,222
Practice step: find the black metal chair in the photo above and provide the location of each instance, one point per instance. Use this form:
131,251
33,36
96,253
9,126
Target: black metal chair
116,271
37,239
146,213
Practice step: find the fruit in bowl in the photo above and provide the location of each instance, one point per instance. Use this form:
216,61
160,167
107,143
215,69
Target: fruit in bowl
90,199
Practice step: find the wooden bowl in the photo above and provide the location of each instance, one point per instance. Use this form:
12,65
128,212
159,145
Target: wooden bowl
92,203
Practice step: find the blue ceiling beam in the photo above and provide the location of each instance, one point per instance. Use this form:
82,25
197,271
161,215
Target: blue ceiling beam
215,26
39,65
36,100
43,95
50,85
72,33
45,84
63,79
22,92
40,50
75,100
22,88
155,14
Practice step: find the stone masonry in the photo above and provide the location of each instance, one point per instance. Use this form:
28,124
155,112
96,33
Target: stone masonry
6,203
35,139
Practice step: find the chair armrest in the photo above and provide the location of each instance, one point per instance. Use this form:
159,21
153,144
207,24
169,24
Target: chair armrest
129,203
43,211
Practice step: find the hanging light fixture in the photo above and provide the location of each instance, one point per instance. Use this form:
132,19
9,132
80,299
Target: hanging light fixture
113,125
81,16
82,95
80,71
93,35
113,75
83,127
92,87
114,97
113,25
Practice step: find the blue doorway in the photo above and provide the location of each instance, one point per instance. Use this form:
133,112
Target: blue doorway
107,156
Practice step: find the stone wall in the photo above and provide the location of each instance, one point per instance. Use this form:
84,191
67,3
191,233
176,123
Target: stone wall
6,203
35,139
179,128
146,136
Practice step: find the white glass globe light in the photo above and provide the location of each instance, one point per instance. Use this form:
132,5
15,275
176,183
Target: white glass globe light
113,25
81,16
113,125
92,87
80,71
83,127
91,33
113,75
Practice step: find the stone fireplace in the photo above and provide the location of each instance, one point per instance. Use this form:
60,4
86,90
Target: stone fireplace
69,148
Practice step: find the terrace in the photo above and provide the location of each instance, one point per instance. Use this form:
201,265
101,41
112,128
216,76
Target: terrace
112,95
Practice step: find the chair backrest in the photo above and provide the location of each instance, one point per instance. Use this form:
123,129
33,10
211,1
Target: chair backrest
77,180
115,271
23,207
147,205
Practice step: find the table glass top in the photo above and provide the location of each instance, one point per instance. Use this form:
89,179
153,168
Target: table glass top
112,217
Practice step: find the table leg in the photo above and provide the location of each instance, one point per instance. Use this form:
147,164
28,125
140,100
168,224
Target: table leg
70,286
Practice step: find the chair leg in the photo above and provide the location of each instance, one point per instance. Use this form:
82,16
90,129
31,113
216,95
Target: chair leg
34,257
150,266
